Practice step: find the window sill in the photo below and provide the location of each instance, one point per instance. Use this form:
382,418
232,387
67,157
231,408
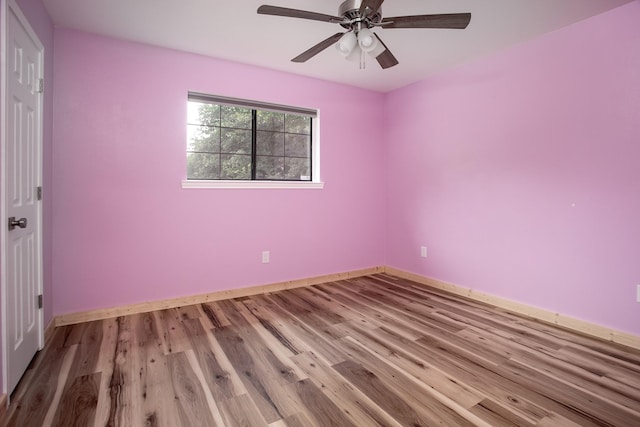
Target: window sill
191,183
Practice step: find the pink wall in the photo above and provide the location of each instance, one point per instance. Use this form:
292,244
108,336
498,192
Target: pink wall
519,172
124,229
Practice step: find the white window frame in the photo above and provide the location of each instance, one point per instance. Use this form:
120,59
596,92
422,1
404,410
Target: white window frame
315,183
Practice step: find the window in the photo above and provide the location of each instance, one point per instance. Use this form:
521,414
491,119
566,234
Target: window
237,140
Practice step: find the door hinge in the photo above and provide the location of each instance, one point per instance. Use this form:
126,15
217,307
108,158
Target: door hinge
39,192
40,301
40,85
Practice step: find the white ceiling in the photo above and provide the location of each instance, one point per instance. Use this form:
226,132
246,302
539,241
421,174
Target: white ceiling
231,29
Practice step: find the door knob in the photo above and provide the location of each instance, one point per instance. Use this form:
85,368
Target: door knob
13,223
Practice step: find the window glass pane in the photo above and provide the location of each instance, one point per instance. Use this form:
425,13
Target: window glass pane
235,166
203,166
235,117
270,143
269,167
269,120
203,138
297,169
204,114
297,124
235,141
297,145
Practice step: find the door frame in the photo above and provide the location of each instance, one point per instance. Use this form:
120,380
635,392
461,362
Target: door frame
8,7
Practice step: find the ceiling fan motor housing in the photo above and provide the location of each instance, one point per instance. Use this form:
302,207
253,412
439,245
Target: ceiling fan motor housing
350,10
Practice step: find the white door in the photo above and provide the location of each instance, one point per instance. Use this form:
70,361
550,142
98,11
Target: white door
22,176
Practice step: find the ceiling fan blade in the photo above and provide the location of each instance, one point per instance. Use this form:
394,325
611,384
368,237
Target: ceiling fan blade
447,20
296,13
386,58
373,5
310,53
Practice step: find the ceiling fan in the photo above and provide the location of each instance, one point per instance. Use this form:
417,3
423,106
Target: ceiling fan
358,17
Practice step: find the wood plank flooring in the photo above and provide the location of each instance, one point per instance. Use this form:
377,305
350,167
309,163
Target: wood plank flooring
371,351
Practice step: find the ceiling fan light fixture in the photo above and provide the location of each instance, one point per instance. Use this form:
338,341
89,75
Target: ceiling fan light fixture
347,43
358,17
367,40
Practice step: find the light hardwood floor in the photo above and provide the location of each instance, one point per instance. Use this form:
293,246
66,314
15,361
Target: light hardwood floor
369,351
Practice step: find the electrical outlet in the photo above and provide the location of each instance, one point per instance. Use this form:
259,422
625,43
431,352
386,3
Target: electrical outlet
265,257
638,293
423,251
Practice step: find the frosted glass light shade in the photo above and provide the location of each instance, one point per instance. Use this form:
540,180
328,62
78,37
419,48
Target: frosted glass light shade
377,50
347,43
367,40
